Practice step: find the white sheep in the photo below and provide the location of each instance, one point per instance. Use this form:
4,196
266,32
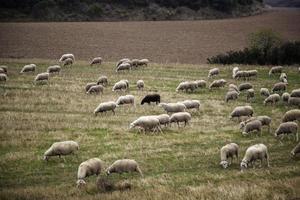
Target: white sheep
245,86
95,89
264,92
66,56
213,72
294,101
287,128
241,111
234,71
240,74
124,165
173,107
229,151
121,85
191,104
265,121
102,80
217,84
96,61
232,87
123,66
61,148
42,77
143,61
106,106
4,68
253,153
28,68
123,60
54,69
251,73
135,62
285,97
296,150
273,99
275,70
164,119
250,94
2,71
180,117
187,85
89,168
140,84
254,125
231,95
291,115
89,85
279,87
3,77
295,93
68,61
201,83
145,123
127,99
283,78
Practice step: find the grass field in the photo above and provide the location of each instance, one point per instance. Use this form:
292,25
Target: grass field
181,163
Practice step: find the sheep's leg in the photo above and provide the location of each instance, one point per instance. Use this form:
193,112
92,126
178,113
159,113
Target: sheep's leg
178,124
267,158
113,112
297,137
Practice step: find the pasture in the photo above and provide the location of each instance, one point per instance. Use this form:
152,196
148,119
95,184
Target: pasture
180,163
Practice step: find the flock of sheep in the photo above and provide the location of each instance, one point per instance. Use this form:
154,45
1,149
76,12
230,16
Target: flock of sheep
179,112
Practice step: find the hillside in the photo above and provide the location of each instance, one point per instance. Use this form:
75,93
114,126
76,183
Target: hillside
119,10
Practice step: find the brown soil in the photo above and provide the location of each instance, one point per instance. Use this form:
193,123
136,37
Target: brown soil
164,41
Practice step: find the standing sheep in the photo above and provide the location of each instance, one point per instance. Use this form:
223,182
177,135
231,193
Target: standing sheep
124,165
231,95
106,106
279,87
191,104
180,117
121,85
295,93
264,92
294,101
89,168
287,128
42,77
233,87
89,85
54,69
234,71
245,86
201,83
253,153
124,66
275,70
96,89
229,151
187,85
4,68
28,68
164,119
151,98
66,56
102,80
285,97
296,150
273,99
291,115
61,148
143,62
68,61
240,74
217,83
265,121
254,125
250,94
145,123
140,84
3,77
123,61
283,78
213,72
241,111
127,99
96,61
173,107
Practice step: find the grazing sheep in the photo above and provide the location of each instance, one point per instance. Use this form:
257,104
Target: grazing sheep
231,95
253,153
291,115
53,69
124,165
4,68
294,101
124,66
102,80
127,99
240,74
89,168
265,121
233,87
264,92
66,56
2,71
123,61
250,94
96,89
151,98
279,87
89,85
187,85
275,70
273,99
254,125
106,106
251,73
245,86
201,83
283,78
140,84
3,77
68,61
241,111
145,123
28,68
285,97
191,104
173,107
213,72
229,151
234,71
135,62
295,93
96,61
121,85
287,128
180,117
61,148
143,62
217,84
164,119
296,150
42,77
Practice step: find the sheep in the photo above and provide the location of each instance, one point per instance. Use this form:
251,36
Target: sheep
53,69
4,68
145,123
151,98
245,86
124,165
250,94
217,84
291,115
68,61
191,104
135,62
95,89
251,73
180,117
3,77
89,168
285,97
240,74
231,95
213,72
187,85
241,111
254,125
295,93
124,66
294,101
273,99
28,68
287,128
233,87
121,85
106,106
173,107
201,83
102,80
253,153
264,92
123,61
265,121
164,119
61,148
143,62
89,85
127,99
283,78
234,71
275,70
279,87
66,56
228,151
42,77
96,61
140,84
2,71
296,150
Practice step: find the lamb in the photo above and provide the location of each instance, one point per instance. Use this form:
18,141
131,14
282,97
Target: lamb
229,151
233,87
254,125
96,61
201,83
264,92
291,115
89,168
275,70
285,97
231,95
234,71
42,77
296,150
187,85
121,85
28,68
102,80
61,148
140,84
143,62
180,117
124,66
66,56
3,77
218,83
250,94
173,107
191,104
89,85
295,93
245,86
287,128
145,123
68,61
53,69
213,72
283,78
4,68
106,106
279,87
240,111
151,98
124,165
294,101
273,99
253,153
265,121
95,89
127,99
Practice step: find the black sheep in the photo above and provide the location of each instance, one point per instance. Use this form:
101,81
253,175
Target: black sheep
151,98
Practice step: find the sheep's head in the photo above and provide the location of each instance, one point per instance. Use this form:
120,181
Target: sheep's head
224,164
242,125
46,158
132,125
80,183
244,165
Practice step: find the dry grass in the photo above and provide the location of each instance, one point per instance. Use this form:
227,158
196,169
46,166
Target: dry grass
179,164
